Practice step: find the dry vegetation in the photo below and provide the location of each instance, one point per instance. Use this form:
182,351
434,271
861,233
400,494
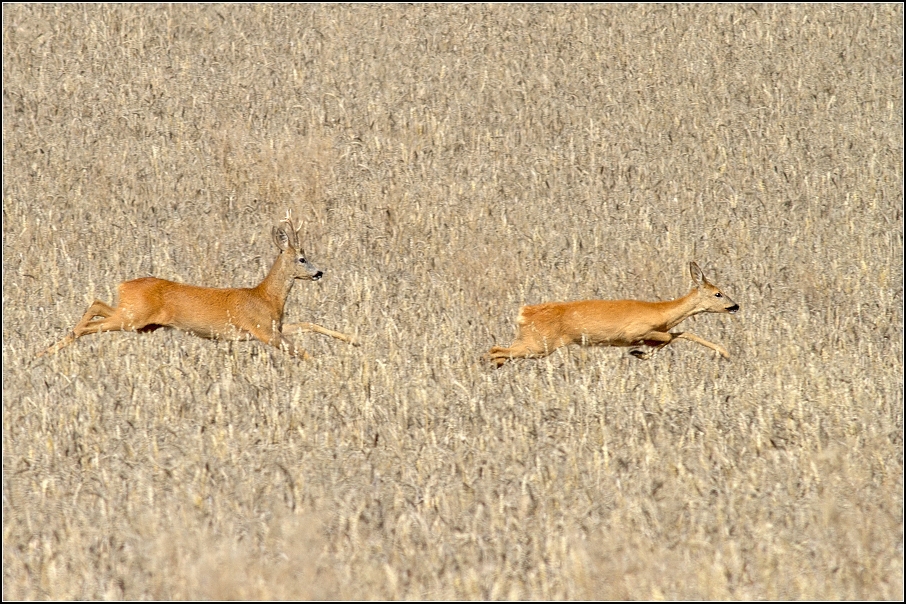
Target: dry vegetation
453,163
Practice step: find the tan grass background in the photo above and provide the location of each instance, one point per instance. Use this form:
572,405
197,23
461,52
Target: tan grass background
451,164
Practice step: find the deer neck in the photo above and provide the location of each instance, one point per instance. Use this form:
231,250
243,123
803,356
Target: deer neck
677,311
275,288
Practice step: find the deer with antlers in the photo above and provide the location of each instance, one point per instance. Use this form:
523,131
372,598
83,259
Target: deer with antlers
543,328
149,303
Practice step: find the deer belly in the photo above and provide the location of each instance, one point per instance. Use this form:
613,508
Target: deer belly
209,323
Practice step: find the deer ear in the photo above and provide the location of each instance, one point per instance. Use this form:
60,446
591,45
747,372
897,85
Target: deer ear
697,275
280,238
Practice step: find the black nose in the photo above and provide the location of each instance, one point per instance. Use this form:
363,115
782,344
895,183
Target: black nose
317,276
733,308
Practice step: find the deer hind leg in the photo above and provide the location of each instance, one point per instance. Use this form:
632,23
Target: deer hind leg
109,321
521,349
312,327
89,324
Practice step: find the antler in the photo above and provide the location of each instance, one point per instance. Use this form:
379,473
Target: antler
293,228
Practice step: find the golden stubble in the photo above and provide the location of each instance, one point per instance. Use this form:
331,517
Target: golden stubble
452,164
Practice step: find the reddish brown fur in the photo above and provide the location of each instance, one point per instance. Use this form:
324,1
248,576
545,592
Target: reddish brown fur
230,313
543,328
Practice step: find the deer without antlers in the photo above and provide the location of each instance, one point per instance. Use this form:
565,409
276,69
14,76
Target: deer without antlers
543,328
231,313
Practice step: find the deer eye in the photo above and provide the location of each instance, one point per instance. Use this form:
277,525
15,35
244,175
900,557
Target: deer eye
718,295
301,259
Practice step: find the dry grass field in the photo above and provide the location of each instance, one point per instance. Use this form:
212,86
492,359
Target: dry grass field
452,163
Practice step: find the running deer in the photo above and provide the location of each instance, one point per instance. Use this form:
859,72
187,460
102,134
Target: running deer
543,328
231,313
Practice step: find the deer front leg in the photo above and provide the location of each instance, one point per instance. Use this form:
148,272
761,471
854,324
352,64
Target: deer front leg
666,338
719,349
291,347
651,339
309,327
276,339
